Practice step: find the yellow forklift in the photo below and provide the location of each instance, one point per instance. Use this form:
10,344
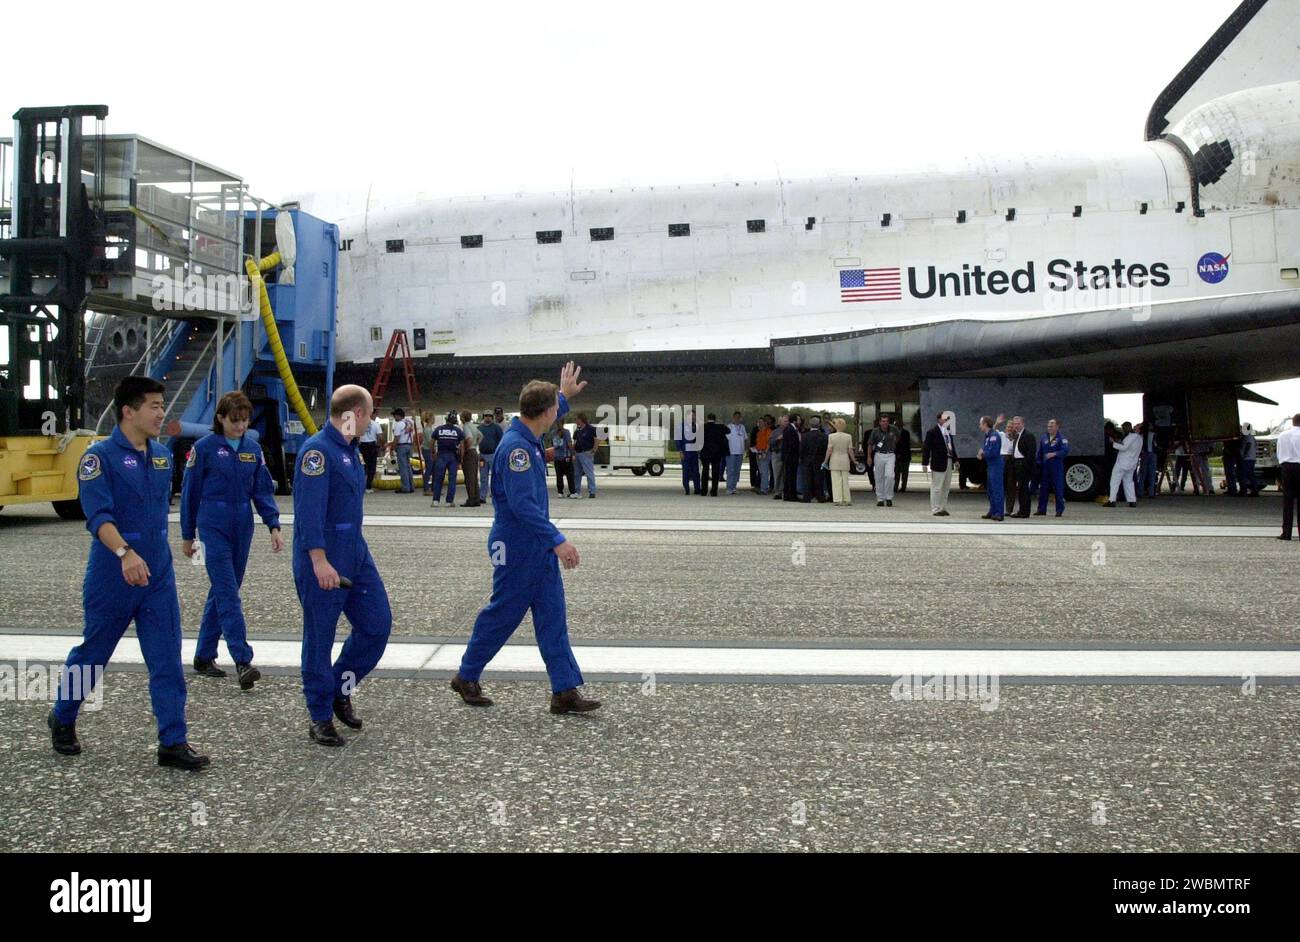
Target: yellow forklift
51,241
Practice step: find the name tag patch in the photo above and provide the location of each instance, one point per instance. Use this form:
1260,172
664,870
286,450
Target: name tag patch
248,457
162,464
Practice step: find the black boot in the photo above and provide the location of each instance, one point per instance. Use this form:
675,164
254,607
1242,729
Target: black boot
570,701
208,667
470,691
63,737
326,734
343,710
182,756
248,675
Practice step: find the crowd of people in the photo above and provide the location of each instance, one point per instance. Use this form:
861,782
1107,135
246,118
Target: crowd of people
809,458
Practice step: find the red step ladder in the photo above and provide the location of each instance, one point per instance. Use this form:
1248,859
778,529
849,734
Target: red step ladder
396,345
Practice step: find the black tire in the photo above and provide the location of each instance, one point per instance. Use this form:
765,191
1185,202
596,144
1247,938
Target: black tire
639,472
69,509
1082,479
655,467
858,466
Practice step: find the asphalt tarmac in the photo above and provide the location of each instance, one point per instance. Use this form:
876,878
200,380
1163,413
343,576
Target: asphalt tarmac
699,750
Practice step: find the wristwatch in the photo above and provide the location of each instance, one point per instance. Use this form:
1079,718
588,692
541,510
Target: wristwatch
122,550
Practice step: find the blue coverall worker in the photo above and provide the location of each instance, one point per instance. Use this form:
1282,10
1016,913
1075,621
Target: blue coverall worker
526,551
328,486
991,453
223,472
125,484
1053,448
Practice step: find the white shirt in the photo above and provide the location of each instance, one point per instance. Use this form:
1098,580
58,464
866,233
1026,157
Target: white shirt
403,431
1008,446
1126,452
372,432
472,434
737,438
1288,445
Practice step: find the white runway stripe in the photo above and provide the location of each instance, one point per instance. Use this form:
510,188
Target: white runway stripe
1049,527
741,663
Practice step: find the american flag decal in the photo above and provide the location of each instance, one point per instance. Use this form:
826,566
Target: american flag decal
871,284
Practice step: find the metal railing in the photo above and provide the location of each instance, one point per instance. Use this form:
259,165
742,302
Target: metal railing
156,344
180,390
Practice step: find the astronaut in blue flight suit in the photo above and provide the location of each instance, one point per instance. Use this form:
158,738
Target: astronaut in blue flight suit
223,472
125,485
991,455
329,484
527,551
1052,450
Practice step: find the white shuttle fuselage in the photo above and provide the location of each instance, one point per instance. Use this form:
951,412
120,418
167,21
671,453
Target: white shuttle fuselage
1168,241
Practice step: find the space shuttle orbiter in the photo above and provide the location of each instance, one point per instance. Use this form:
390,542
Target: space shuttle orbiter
1172,261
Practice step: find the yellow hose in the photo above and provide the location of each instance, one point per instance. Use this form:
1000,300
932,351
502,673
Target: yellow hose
255,270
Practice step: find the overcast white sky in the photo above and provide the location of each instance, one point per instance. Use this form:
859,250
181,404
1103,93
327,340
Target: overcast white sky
445,99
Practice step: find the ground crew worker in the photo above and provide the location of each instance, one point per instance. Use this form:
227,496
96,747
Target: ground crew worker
1246,466
527,551
1127,453
223,472
447,439
492,433
1052,449
328,547
688,446
991,455
125,488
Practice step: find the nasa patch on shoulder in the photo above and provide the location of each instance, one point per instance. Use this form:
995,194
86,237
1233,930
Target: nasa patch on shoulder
519,460
313,463
189,458
90,468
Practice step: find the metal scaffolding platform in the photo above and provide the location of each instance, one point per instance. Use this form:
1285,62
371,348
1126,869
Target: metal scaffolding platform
173,245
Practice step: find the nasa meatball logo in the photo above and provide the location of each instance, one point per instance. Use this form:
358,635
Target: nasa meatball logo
313,463
1212,268
519,460
130,462
89,469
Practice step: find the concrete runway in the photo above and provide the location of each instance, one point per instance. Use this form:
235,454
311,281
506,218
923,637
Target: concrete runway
748,652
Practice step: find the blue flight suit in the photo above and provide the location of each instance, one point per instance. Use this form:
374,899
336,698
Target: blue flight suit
329,482
992,451
526,571
219,482
131,489
1052,470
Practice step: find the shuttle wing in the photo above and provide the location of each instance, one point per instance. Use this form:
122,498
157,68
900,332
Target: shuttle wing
1259,44
1236,339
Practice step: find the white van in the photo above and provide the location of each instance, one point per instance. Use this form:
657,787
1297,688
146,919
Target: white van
638,448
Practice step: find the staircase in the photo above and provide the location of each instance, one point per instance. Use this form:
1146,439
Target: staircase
192,369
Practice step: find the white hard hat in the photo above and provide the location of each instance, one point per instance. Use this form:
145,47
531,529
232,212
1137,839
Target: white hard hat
1247,429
